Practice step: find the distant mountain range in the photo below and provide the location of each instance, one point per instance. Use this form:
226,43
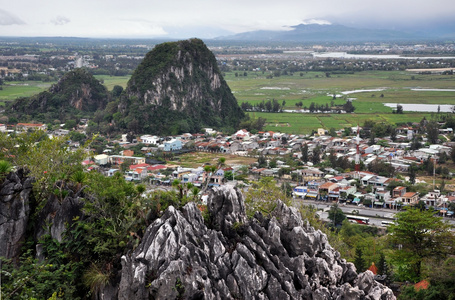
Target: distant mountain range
337,33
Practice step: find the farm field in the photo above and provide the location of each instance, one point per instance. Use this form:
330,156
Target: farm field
16,89
305,123
389,87
111,81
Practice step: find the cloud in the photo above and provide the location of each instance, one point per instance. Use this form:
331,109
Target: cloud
60,20
316,21
7,18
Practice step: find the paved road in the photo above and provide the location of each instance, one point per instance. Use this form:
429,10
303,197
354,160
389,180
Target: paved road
376,215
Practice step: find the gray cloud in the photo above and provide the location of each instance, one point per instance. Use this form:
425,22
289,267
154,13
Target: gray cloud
60,20
7,18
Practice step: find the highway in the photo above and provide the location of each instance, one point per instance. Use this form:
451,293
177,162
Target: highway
376,215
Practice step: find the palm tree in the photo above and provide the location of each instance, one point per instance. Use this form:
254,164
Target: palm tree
5,168
177,184
79,177
209,170
195,192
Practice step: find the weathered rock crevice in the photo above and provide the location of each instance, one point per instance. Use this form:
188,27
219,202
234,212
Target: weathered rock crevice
277,258
15,205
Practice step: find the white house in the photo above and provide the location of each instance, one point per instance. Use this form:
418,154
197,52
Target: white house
172,145
101,159
150,140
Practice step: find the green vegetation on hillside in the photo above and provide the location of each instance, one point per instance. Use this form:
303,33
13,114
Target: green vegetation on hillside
77,93
178,88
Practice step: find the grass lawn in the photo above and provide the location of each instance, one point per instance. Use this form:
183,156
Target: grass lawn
111,81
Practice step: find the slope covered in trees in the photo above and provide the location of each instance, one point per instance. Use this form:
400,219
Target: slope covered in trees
178,88
77,93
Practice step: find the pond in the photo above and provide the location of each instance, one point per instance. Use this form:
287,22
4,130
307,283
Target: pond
422,107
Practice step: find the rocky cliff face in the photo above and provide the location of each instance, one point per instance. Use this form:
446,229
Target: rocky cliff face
281,257
17,205
14,212
179,84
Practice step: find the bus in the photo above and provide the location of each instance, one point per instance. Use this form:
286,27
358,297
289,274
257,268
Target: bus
358,219
386,223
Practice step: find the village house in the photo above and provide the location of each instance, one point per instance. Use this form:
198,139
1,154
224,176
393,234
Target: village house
313,173
172,145
410,198
119,159
101,159
325,190
149,139
27,126
180,172
399,191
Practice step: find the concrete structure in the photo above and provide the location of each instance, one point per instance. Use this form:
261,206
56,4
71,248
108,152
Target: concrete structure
101,159
172,145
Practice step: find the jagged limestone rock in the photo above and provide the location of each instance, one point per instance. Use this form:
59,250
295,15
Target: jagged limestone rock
57,215
277,258
15,193
178,87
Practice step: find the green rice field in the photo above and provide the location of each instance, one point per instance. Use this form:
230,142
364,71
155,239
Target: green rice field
396,87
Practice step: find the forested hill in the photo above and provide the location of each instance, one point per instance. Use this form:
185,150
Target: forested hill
178,88
77,93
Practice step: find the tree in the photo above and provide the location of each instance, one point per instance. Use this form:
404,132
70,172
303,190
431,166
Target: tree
359,262
272,164
372,138
116,91
383,267
399,109
48,160
432,130
412,173
452,154
262,162
393,134
415,143
419,236
316,158
336,215
348,107
263,197
209,170
305,153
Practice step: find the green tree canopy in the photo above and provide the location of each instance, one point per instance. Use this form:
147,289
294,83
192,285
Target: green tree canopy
419,236
336,215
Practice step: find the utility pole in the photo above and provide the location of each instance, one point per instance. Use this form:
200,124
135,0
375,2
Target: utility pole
357,154
434,173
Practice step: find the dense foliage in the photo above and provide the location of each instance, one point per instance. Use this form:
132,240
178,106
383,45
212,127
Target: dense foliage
419,237
113,218
77,94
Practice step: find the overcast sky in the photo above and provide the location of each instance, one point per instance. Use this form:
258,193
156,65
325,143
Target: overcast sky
206,18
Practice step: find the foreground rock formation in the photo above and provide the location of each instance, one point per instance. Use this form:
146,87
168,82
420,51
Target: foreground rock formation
15,203
281,257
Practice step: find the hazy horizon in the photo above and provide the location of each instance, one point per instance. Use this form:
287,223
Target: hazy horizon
185,19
